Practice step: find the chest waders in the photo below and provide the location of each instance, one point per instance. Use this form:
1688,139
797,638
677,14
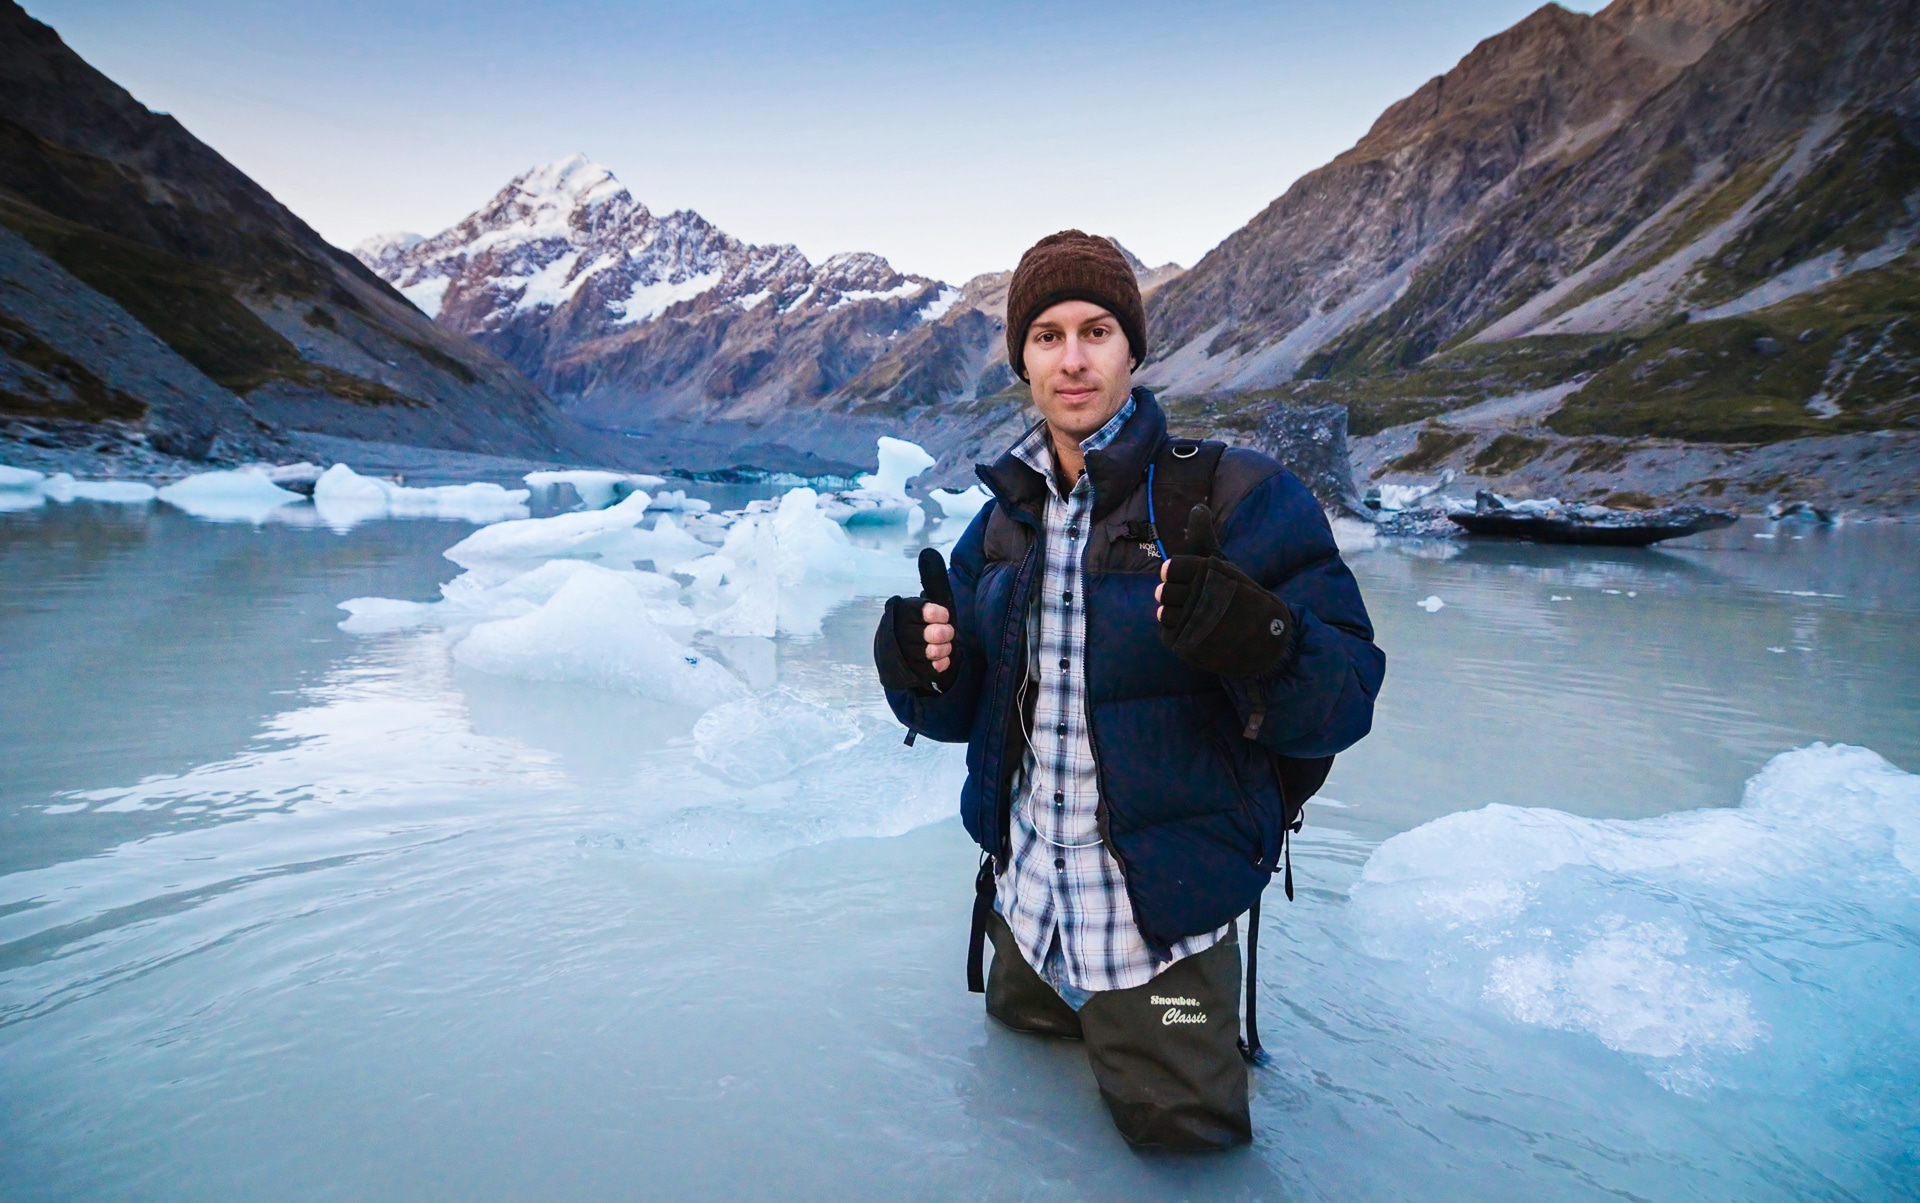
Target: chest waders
1179,478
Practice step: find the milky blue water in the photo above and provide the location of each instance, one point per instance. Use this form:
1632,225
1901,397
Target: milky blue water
293,912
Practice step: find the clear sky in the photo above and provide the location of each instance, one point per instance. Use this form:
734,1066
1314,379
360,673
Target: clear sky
945,136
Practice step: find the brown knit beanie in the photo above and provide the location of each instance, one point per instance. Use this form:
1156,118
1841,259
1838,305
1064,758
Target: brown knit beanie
1072,266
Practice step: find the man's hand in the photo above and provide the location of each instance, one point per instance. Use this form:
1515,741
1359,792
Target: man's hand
1213,615
913,649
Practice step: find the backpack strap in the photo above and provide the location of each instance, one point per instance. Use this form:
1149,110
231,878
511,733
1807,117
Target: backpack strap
977,938
1179,478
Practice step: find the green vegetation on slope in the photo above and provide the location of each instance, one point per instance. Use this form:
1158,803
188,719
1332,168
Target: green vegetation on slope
1849,201
1451,380
1852,350
189,307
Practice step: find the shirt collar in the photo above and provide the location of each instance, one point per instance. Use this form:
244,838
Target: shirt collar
1035,448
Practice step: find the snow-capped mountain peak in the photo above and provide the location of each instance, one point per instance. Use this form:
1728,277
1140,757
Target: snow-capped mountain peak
564,258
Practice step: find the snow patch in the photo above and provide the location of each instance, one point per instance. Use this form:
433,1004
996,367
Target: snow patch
938,307
648,301
427,294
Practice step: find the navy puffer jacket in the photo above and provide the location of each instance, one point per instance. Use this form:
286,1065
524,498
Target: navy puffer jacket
1189,806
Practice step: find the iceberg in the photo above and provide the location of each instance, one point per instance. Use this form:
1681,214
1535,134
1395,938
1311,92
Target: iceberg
960,507
19,479
597,490
20,489
227,496
62,487
583,534
790,566
343,497
678,500
1683,942
610,536
595,631
881,497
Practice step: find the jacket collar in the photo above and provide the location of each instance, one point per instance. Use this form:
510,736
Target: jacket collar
1116,469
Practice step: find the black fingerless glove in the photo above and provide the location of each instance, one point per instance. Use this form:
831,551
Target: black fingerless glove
900,642
1216,617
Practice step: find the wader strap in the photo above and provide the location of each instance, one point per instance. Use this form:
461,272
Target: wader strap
977,939
1250,1045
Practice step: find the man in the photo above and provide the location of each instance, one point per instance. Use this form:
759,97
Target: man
1130,715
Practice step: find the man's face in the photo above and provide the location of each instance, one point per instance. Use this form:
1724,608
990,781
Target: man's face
1080,367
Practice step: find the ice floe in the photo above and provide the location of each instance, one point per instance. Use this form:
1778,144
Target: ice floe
343,497
228,496
960,507
882,495
595,630
596,489
1683,940
62,487
25,488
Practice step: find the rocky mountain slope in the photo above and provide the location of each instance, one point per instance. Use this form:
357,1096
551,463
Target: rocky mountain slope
159,298
629,318
1604,241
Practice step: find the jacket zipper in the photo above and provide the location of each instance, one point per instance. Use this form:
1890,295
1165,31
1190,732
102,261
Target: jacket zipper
1014,637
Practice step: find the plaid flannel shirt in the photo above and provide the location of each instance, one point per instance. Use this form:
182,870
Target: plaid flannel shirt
1063,895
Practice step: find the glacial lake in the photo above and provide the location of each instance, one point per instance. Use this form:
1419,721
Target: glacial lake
291,912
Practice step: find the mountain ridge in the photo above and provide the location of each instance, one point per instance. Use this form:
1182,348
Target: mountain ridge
280,331
627,317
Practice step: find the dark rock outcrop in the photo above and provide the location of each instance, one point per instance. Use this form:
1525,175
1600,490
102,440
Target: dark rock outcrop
272,328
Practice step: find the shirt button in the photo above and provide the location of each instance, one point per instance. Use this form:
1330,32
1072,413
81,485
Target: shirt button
1060,798
1062,729
1067,597
1063,662
1059,862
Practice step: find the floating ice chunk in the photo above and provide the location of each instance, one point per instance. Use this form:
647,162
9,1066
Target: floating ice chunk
663,543
1431,604
881,497
900,462
479,502
20,499
1351,535
766,737
63,487
678,501
19,479
371,615
960,507
1664,937
754,614
581,535
299,478
344,497
228,496
790,567
597,490
707,571
595,631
